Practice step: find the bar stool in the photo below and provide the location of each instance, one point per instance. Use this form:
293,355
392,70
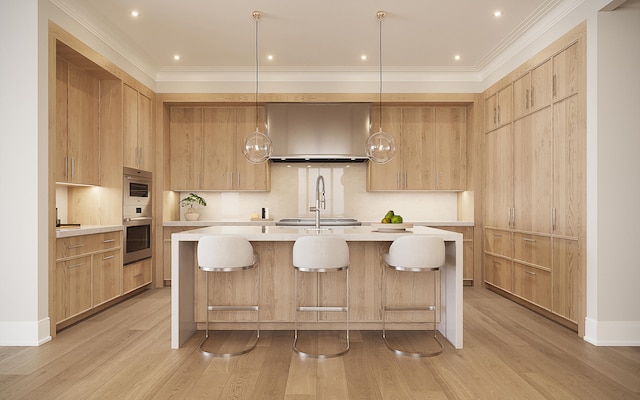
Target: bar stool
227,253
320,254
417,253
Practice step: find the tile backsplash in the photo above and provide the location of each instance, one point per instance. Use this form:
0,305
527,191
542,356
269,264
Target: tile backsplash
293,192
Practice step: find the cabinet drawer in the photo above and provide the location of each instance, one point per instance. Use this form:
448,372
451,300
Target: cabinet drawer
85,244
136,275
72,287
498,272
498,242
532,249
533,284
107,283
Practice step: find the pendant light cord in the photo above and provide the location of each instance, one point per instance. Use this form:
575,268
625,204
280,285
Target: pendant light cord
256,16
380,17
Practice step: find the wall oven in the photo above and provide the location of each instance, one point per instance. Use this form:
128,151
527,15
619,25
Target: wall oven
136,213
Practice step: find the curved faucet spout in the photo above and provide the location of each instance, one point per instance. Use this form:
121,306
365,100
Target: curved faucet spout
320,200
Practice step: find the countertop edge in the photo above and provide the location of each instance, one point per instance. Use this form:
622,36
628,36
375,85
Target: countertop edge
272,223
86,230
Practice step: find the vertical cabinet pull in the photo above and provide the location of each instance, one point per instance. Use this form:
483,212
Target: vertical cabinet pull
553,218
532,98
526,99
553,85
66,167
73,167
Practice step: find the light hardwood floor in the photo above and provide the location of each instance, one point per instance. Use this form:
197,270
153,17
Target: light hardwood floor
509,353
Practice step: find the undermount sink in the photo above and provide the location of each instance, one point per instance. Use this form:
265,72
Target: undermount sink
323,222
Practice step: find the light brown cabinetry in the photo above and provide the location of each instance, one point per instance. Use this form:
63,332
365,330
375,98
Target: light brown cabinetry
431,149
136,275
533,90
77,131
206,149
137,129
497,108
535,181
167,231
467,236
87,273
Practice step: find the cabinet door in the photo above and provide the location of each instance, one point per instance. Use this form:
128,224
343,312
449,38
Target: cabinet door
219,148
186,148
82,127
72,287
498,177
566,72
130,126
491,113
532,168
107,282
145,124
450,148
249,176
541,86
522,96
505,96
569,168
62,157
418,136
567,278
387,176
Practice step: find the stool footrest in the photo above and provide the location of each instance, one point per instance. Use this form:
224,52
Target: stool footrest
325,309
232,308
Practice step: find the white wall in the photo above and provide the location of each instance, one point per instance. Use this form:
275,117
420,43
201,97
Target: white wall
613,316
23,171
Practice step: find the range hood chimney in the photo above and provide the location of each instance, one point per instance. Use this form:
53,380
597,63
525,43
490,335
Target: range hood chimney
318,132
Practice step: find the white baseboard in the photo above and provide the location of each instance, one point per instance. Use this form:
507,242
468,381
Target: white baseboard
612,333
24,333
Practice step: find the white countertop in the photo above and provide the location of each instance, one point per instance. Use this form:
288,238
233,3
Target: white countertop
287,233
86,230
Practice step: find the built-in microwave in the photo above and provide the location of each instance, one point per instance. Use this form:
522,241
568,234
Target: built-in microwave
136,193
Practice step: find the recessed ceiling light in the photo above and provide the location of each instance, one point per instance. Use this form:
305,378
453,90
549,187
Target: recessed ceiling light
135,13
363,57
456,57
497,13
176,57
269,57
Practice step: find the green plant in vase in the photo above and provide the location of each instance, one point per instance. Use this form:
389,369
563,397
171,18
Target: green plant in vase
190,201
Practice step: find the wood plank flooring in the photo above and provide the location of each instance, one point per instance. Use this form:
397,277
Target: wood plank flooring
509,353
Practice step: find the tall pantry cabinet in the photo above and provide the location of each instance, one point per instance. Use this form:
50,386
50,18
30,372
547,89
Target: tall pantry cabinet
535,180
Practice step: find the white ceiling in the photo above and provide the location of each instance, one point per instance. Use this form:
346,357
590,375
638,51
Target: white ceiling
417,35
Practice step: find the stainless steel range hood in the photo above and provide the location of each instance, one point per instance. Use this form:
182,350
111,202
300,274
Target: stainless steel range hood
318,131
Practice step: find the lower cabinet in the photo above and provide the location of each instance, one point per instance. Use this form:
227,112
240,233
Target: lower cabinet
542,270
467,235
88,273
136,275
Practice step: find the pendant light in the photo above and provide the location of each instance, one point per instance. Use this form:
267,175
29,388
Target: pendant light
256,145
380,146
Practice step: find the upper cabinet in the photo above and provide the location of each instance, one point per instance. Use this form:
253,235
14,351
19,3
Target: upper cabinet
532,91
137,129
566,72
431,149
497,108
77,128
206,149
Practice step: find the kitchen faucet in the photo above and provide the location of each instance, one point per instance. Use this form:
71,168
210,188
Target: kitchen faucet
319,200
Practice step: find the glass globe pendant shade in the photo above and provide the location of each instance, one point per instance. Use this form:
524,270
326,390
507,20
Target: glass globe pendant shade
257,147
381,147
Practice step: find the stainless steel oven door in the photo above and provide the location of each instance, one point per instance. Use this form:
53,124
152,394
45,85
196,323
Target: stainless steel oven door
137,239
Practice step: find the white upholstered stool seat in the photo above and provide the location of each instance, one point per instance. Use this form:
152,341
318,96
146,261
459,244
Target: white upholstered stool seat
321,254
224,254
413,253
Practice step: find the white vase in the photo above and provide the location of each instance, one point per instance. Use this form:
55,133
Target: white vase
191,215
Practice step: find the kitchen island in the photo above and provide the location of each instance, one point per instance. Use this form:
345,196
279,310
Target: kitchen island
275,243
